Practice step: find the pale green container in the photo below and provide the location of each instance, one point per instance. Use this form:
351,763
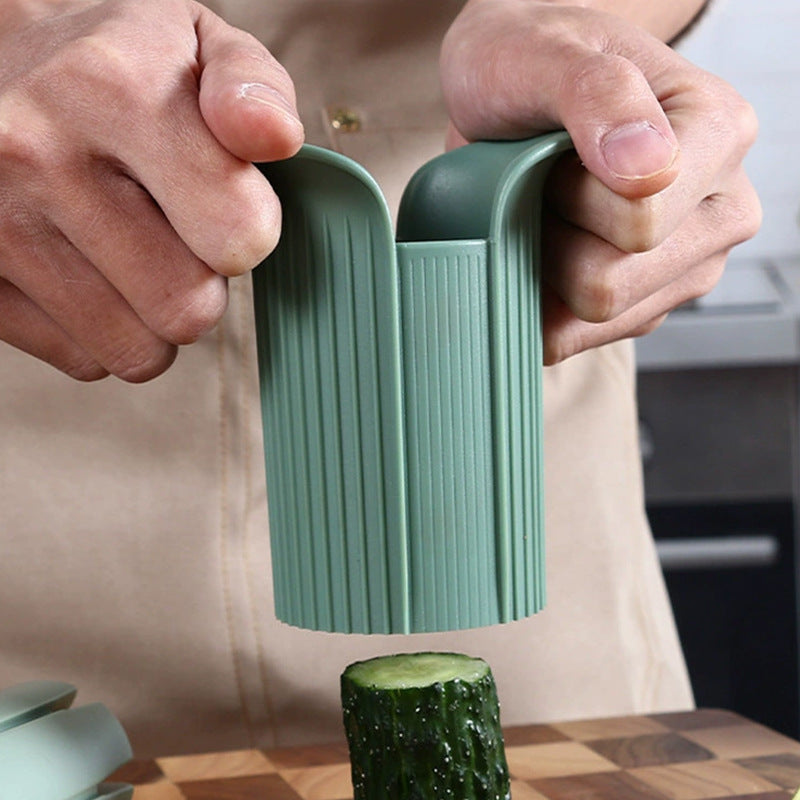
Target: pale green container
49,751
401,392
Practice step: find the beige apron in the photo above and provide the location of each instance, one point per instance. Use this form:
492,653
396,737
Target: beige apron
135,553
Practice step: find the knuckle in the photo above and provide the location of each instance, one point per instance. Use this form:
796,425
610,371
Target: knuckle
558,346
737,214
639,227
749,223
733,120
648,327
746,121
198,312
141,362
248,245
601,296
92,59
279,76
25,146
83,369
590,80
565,342
243,230
15,145
554,352
706,282
97,68
705,278
749,214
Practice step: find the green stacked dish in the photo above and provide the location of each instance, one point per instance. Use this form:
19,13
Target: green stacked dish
49,751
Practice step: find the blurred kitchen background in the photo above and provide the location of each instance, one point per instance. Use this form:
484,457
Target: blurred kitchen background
719,405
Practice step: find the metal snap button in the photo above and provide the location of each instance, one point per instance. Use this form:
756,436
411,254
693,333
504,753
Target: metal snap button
345,120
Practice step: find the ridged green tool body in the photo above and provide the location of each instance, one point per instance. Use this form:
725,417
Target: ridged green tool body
401,391
49,751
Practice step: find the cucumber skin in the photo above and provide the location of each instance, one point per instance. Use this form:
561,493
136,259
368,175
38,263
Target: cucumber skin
439,742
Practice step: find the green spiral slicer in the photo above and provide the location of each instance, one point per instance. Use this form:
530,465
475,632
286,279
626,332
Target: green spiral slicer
401,391
49,751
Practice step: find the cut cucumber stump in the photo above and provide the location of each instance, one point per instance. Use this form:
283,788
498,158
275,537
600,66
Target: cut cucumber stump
424,726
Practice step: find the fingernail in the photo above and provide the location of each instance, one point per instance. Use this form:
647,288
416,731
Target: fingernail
261,93
637,150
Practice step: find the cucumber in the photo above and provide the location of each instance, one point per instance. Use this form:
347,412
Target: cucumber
424,726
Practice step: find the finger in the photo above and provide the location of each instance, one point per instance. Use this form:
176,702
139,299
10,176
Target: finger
221,207
246,97
640,224
564,334
633,225
649,327
453,138
66,287
617,125
25,326
172,291
219,204
598,282
540,68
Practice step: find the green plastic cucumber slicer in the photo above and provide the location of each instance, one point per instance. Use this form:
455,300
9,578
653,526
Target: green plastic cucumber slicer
401,391
49,751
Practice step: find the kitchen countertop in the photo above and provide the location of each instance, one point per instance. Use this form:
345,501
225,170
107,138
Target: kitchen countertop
751,318
695,755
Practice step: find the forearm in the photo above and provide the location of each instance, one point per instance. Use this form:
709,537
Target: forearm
665,19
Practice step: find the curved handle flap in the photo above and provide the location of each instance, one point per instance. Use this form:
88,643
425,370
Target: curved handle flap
327,311
466,193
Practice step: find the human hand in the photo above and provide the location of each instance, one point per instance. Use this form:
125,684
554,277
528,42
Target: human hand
127,196
643,217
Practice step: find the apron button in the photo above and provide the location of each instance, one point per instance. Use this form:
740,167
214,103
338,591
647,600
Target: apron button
345,120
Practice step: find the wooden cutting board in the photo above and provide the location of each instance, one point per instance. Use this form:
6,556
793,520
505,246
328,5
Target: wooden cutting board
695,755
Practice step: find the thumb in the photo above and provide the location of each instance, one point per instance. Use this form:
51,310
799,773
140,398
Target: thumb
246,97
617,125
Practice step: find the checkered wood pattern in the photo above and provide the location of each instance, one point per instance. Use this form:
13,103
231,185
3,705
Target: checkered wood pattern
696,755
